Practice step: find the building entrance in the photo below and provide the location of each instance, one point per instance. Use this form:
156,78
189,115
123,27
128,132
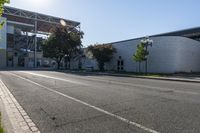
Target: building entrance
120,64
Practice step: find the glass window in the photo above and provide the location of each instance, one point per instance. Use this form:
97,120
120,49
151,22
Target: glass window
10,40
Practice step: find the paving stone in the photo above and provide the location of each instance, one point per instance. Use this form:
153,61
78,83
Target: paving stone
31,124
16,113
34,129
25,127
26,117
28,120
22,123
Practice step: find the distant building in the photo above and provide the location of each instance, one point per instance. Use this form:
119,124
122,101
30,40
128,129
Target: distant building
172,52
24,32
22,36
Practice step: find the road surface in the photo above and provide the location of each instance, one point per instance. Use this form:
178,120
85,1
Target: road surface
80,103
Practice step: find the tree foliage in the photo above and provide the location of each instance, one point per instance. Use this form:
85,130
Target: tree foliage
63,42
140,54
102,53
2,2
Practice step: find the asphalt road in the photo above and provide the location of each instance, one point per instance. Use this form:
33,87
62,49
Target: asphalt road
71,103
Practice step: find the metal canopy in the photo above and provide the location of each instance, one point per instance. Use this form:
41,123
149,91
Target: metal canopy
35,22
44,22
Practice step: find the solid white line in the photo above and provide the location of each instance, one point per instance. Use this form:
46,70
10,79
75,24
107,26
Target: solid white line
45,76
121,83
91,106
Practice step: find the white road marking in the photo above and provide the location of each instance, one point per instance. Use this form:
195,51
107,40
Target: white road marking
91,106
45,76
121,83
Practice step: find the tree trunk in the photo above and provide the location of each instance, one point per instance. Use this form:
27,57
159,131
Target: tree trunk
58,62
101,66
69,63
139,67
58,67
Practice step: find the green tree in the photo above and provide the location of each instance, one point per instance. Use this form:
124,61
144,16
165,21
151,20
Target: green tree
63,42
140,54
102,53
2,2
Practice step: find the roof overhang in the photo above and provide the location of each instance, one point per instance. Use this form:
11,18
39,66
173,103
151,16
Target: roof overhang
190,33
44,22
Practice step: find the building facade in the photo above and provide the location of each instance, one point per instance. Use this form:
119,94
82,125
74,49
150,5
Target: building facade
24,31
22,36
172,52
168,54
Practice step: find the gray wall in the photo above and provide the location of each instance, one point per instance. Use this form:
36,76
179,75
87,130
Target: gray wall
169,54
3,43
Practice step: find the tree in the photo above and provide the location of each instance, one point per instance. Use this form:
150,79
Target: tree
63,42
102,53
2,2
141,54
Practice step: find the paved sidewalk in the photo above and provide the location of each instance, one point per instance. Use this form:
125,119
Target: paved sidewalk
15,119
176,77
195,78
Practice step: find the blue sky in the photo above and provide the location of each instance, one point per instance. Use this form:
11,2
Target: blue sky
105,21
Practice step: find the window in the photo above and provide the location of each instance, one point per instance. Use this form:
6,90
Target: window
10,41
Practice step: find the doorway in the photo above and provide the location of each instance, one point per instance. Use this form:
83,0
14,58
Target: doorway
120,64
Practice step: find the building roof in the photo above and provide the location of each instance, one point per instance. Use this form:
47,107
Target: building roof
192,33
44,22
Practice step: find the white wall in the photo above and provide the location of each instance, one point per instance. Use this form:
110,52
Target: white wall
169,54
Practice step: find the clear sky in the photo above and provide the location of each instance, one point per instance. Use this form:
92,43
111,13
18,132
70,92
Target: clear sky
105,21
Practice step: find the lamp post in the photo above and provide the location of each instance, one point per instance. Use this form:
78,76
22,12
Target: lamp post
35,41
147,42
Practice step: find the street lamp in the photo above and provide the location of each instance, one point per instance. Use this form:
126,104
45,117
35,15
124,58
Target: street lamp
147,42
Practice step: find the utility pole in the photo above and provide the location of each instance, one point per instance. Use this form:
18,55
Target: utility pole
35,43
147,42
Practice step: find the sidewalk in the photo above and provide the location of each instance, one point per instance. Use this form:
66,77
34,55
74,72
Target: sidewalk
194,78
14,117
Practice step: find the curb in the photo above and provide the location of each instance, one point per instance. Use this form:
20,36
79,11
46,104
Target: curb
140,77
14,118
171,79
157,78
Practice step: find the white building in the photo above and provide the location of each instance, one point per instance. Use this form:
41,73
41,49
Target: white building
170,53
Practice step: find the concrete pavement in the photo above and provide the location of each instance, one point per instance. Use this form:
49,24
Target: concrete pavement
15,119
58,102
194,78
